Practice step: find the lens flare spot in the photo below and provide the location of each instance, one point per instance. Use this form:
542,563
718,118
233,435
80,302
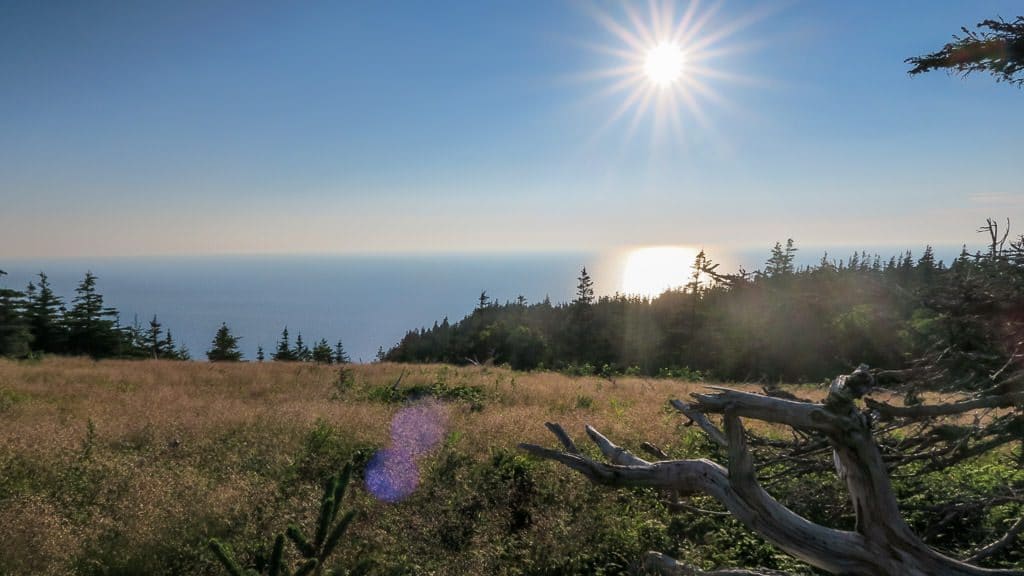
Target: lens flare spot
418,429
393,473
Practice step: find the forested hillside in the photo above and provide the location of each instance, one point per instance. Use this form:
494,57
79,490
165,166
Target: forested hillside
781,322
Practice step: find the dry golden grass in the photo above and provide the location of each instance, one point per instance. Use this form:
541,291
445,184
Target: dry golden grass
182,451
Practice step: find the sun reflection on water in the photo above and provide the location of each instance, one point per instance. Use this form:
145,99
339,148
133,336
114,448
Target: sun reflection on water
651,270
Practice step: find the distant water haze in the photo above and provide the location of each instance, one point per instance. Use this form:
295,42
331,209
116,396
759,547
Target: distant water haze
366,301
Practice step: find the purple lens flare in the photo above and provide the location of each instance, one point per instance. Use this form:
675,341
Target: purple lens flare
393,473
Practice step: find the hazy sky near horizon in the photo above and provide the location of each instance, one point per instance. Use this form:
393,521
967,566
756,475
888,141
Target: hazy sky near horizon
138,128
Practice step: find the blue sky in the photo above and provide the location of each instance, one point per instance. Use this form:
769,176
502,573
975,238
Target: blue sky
145,128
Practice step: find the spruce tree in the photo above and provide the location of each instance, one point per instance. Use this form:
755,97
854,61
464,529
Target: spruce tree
702,266
174,352
301,351
133,340
322,352
926,265
91,329
284,350
154,345
313,552
224,347
259,354
15,336
996,47
781,261
584,289
45,318
340,356
581,337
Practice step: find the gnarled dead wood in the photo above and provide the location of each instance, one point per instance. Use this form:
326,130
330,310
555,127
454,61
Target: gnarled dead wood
1000,544
932,410
882,544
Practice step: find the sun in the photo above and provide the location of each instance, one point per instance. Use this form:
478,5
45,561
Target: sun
665,63
668,65
652,270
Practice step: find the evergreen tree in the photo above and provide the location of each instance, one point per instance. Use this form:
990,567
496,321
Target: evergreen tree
90,327
781,261
259,354
284,350
702,268
483,301
340,356
174,352
926,265
45,318
313,553
584,289
807,323
826,265
15,335
154,345
581,335
224,347
133,340
322,352
301,351
997,48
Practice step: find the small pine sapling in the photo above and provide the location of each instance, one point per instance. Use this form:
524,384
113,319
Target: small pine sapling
227,559
315,552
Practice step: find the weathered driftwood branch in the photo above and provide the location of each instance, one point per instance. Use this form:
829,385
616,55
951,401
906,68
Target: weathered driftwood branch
701,420
933,410
882,544
1000,544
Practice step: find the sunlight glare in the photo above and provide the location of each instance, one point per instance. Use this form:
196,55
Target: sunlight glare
664,63
665,66
652,270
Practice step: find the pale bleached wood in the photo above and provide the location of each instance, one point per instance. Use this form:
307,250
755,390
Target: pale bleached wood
882,544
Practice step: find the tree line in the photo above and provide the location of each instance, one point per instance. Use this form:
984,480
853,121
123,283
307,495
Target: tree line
781,322
37,321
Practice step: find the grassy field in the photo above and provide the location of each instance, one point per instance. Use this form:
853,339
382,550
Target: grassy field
119,467
129,467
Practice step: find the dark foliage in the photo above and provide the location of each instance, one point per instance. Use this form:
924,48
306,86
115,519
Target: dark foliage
997,47
224,347
36,321
314,552
14,331
779,323
321,353
92,327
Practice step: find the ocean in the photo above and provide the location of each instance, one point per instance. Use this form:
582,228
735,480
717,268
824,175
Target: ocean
365,301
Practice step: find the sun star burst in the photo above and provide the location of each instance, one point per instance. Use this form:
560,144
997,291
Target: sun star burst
667,65
664,63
